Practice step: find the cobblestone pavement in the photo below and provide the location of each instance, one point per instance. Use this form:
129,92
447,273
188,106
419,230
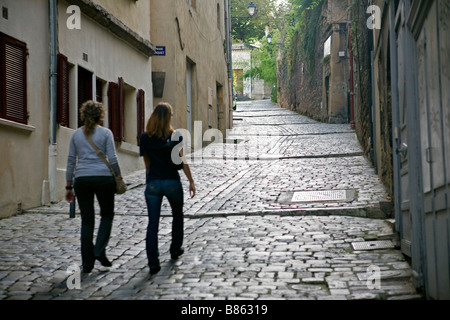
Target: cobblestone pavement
252,232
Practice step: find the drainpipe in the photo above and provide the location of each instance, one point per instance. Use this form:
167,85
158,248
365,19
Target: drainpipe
52,151
227,5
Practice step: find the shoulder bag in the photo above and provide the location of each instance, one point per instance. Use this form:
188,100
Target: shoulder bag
121,186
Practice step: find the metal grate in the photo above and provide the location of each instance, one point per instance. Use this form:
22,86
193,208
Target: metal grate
372,245
324,195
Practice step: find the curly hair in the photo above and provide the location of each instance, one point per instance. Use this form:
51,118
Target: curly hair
92,113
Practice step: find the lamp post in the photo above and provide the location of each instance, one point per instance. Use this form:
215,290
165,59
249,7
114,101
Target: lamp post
251,9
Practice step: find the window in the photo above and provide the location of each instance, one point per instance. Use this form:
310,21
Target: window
140,114
219,23
62,111
99,90
84,89
126,111
13,79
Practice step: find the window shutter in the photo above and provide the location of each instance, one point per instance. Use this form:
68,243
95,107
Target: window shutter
13,79
116,106
62,114
113,110
121,108
140,114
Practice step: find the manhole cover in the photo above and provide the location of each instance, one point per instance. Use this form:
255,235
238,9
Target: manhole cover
324,195
372,245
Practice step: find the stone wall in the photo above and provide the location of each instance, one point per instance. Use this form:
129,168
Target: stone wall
300,81
362,44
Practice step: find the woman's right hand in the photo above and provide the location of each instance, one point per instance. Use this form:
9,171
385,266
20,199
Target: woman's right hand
192,189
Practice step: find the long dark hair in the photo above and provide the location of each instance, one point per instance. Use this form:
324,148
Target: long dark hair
159,124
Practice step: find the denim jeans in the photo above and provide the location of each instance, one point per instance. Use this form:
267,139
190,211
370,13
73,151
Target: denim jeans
103,187
154,193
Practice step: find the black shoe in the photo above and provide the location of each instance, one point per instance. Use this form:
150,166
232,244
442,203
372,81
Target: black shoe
155,270
174,255
104,261
87,269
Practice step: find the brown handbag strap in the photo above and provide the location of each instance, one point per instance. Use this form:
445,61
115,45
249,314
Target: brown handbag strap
99,153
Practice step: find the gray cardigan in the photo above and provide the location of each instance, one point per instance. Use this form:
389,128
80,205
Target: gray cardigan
83,161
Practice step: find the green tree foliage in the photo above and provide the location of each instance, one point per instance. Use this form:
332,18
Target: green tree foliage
245,28
264,61
251,30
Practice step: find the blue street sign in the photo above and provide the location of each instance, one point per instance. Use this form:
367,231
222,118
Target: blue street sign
160,51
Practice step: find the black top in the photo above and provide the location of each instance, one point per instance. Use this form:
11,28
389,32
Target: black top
157,151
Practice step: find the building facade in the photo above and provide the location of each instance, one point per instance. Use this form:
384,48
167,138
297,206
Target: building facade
56,55
389,62
192,67
336,63
412,56
24,131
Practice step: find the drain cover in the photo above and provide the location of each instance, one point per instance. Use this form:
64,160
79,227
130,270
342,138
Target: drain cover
372,245
324,195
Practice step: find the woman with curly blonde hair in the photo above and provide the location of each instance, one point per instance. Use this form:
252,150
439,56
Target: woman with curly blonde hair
90,176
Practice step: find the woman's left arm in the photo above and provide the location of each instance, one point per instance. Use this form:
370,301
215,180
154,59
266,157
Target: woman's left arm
147,163
187,172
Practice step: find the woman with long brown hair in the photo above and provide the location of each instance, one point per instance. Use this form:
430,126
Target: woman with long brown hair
92,178
162,179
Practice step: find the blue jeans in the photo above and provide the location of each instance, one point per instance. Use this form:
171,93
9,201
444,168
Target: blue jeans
154,193
104,189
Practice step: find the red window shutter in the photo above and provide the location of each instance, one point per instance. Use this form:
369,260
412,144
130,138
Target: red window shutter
62,113
13,79
121,109
140,114
113,110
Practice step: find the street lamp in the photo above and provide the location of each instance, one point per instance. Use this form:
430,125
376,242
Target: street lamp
251,9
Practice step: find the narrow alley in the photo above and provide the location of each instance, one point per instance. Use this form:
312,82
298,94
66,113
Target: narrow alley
288,208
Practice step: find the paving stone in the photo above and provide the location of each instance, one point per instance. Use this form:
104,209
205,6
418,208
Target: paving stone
244,237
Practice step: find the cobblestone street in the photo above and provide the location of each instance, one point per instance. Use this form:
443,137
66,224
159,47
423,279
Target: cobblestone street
257,228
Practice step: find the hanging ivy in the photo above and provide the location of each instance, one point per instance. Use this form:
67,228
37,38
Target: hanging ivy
301,38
